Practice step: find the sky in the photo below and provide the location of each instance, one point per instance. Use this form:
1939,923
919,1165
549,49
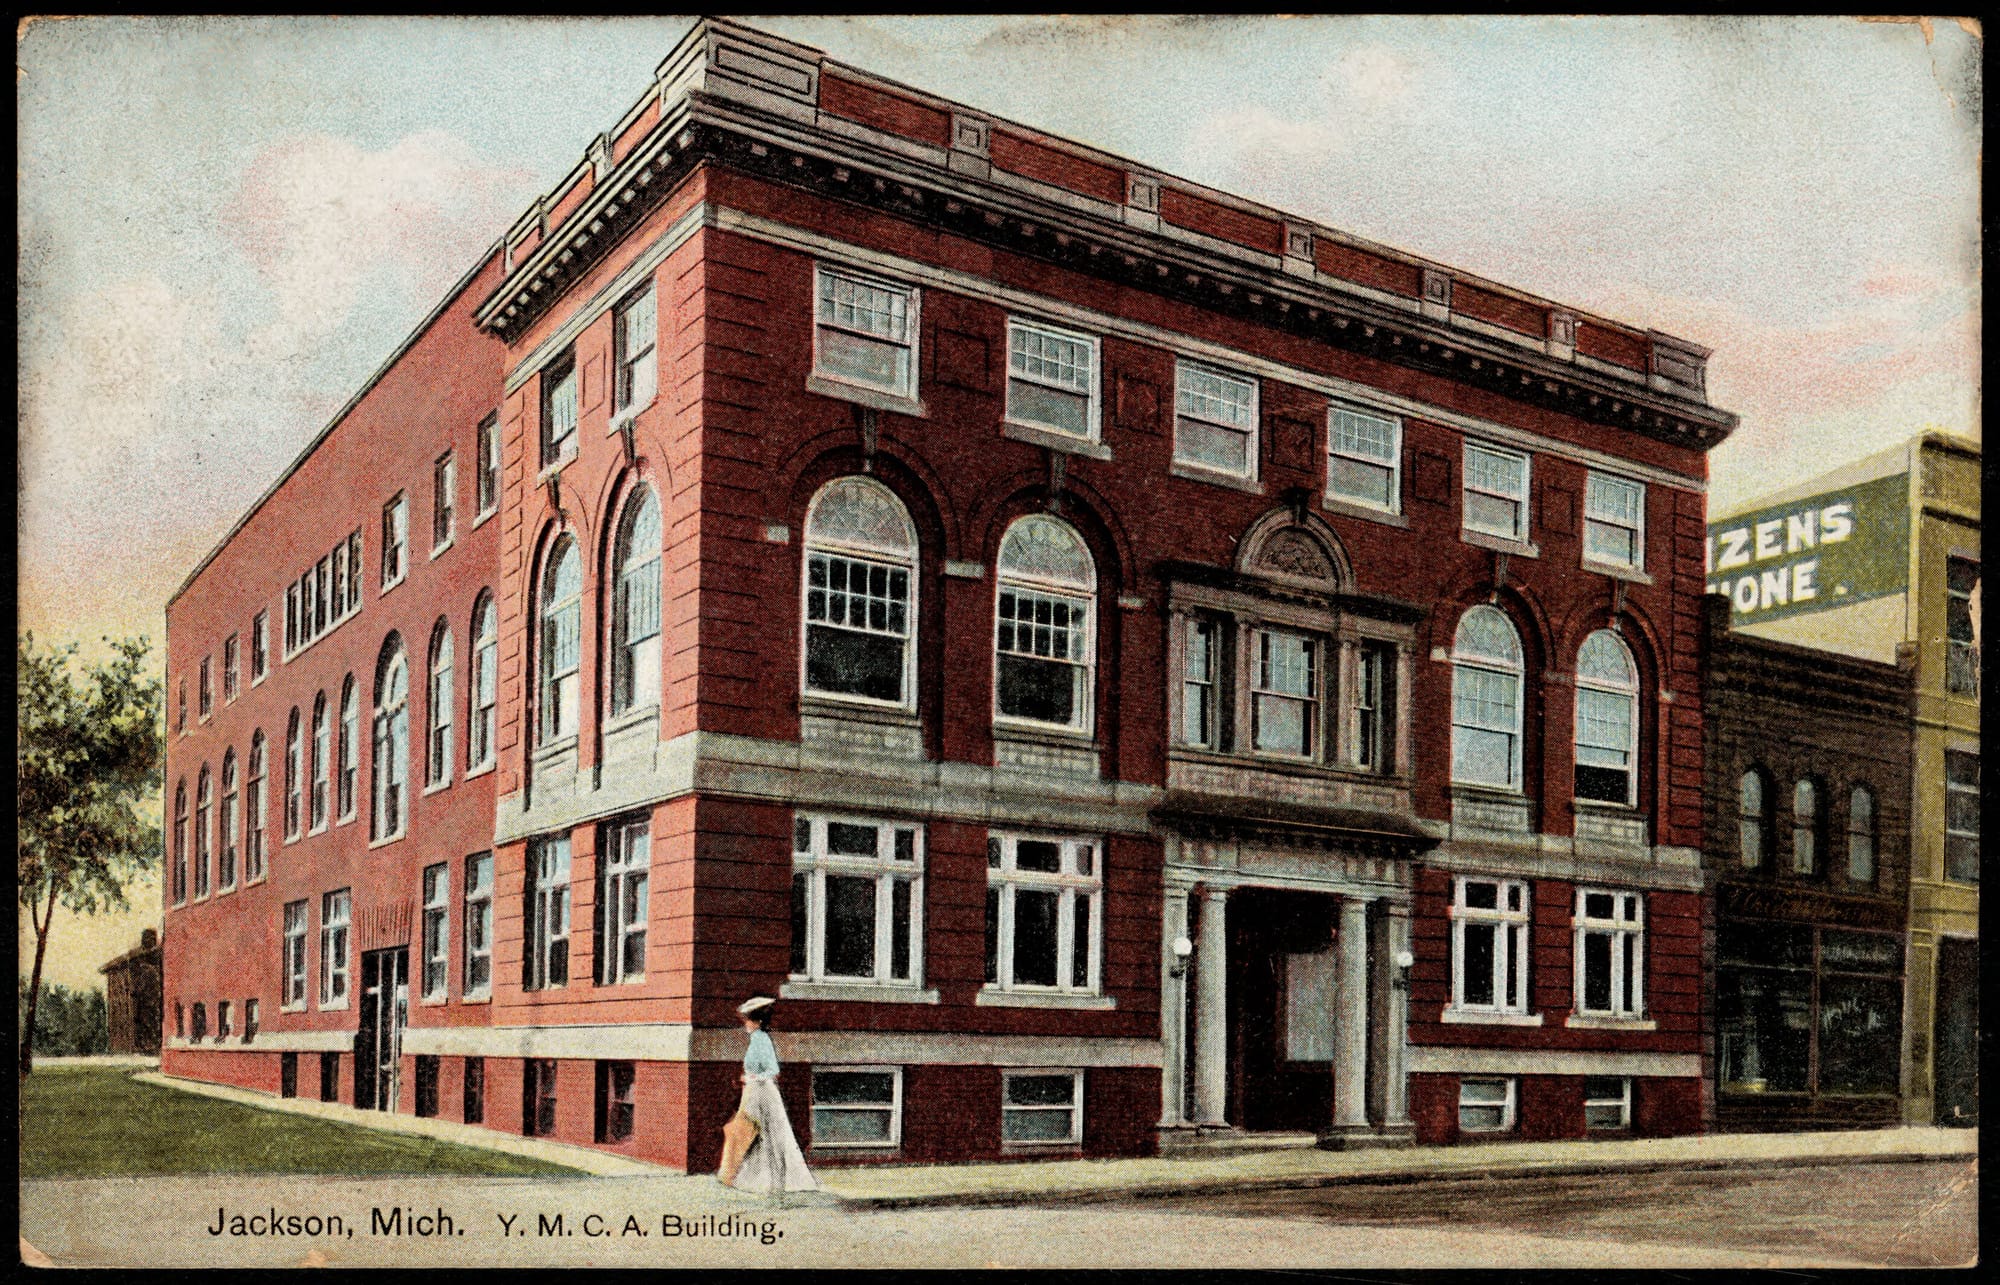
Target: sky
226,225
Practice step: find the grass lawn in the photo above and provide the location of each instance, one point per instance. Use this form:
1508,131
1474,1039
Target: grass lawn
98,1122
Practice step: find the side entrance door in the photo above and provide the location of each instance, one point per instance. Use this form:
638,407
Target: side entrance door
1956,1033
385,1005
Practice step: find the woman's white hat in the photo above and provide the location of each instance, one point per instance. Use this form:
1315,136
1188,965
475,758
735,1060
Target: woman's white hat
754,1003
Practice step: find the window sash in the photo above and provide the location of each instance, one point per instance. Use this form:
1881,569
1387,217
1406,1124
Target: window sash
1503,927
1043,361
623,887
1502,478
478,948
444,506
547,963
1486,725
894,938
889,1108
1484,1100
487,479
1618,971
436,930
295,954
1015,1114
637,334
1078,889
559,417
1215,424
1199,715
1614,517
333,944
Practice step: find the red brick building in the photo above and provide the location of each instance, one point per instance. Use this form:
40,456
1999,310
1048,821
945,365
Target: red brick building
1111,657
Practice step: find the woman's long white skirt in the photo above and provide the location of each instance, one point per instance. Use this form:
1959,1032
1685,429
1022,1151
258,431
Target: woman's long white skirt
774,1162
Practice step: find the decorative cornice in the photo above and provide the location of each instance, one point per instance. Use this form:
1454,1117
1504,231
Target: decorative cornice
773,131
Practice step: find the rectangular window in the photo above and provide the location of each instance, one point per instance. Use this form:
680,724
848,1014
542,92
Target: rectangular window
1044,644
614,1099
437,929
547,963
1961,656
559,411
444,501
230,655
1489,946
1215,420
1607,1102
865,332
1364,462
638,369
295,955
1485,1106
340,578
427,1086
474,1107
1614,521
1284,695
486,485
1610,953
333,915
223,1029
857,1106
857,901
288,1075
622,869
1044,905
329,1077
857,628
1496,492
1052,379
478,979
1961,816
1374,707
249,1020
1199,666
260,646
395,540
353,573
1041,1108
199,1031
206,690
538,1097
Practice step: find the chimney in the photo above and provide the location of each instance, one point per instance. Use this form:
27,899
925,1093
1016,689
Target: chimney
148,939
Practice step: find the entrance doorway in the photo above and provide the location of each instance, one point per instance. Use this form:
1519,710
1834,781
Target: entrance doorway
1281,1008
378,1048
1955,1072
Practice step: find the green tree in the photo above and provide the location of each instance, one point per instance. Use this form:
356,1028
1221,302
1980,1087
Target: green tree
91,754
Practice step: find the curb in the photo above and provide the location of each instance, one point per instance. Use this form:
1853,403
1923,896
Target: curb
1399,1178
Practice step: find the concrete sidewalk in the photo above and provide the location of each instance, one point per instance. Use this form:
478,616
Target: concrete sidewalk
1069,1181
586,1160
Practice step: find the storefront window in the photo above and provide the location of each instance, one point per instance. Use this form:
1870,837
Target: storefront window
1860,1034
1765,1020
1800,1020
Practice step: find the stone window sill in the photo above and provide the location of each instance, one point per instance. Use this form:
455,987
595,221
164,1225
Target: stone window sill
1468,1017
1214,477
859,712
1617,572
1499,544
1035,435
856,993
1366,512
988,997
631,718
1605,1022
1041,734
861,394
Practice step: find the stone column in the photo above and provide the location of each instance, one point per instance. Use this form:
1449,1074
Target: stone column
1211,1011
1173,1013
1350,1031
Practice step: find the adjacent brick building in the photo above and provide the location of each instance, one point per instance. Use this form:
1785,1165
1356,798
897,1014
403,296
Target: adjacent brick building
1809,775
132,997
1116,660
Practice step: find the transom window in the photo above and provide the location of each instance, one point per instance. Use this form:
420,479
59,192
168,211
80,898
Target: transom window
562,640
1284,694
1041,1108
635,613
622,871
1489,945
1044,908
638,367
545,965
857,1106
1496,492
1044,640
1364,458
860,585
1215,420
1486,682
865,332
1607,720
1614,521
1610,953
857,901
335,908
1052,379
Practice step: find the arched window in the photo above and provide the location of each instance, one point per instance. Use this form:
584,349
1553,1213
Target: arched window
1861,835
485,683
294,776
204,807
392,741
226,875
635,613
180,842
1607,720
1805,827
1044,635
562,639
253,810
1753,819
860,591
440,703
350,749
322,761
1486,700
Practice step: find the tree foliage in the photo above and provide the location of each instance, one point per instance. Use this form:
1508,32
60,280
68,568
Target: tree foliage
67,1023
90,755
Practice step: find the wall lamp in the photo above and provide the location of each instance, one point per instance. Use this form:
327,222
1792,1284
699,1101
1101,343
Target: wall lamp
1404,962
1182,948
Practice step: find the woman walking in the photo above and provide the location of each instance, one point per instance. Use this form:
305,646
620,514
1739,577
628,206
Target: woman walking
759,1152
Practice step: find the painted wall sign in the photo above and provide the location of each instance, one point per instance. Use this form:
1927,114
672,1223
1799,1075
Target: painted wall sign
1813,554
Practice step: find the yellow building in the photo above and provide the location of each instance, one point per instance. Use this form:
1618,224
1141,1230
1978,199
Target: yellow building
1870,560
